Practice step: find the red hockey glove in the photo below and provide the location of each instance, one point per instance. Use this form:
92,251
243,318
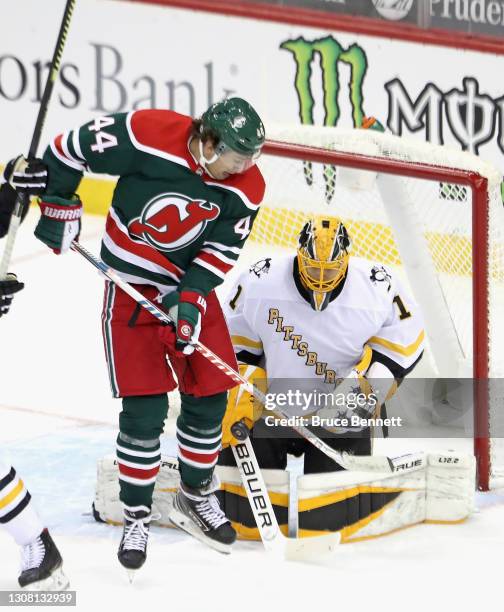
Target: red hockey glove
186,309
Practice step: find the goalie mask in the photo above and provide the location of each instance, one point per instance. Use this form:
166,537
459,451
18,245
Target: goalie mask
322,255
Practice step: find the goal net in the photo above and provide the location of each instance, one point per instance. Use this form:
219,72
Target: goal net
433,214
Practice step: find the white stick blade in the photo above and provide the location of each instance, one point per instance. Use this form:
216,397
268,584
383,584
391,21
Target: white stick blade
313,548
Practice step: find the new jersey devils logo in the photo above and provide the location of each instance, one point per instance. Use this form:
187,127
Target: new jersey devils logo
171,221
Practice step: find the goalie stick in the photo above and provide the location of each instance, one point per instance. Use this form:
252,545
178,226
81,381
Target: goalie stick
22,201
294,549
345,460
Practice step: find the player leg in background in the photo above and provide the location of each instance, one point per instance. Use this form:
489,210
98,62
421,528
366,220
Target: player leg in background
196,508
41,562
203,391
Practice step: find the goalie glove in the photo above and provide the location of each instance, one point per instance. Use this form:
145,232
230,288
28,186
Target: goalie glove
358,398
241,405
59,223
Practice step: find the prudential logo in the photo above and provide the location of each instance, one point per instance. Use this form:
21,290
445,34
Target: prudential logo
393,9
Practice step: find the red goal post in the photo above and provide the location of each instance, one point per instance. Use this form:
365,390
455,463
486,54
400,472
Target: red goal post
432,211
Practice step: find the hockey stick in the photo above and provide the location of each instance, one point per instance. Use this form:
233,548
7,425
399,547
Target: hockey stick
348,462
294,549
22,200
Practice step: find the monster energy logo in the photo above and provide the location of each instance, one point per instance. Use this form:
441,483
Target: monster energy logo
331,57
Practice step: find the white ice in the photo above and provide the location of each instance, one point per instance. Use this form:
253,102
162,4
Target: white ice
57,418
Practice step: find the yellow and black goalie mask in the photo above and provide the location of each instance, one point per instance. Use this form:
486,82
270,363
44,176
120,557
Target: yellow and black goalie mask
323,254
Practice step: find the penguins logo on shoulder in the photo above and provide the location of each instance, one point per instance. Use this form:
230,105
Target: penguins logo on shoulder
380,275
261,267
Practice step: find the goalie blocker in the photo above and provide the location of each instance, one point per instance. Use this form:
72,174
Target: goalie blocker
438,488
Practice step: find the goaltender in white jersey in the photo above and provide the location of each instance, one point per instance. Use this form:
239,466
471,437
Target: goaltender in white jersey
322,315
273,317
316,317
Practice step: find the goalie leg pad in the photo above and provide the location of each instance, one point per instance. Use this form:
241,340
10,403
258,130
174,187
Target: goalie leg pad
357,506
439,489
451,482
107,506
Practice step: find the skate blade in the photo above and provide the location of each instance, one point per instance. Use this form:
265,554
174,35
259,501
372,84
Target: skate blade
131,575
181,521
57,581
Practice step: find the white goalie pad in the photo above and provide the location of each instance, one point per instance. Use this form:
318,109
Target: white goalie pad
440,489
107,505
450,484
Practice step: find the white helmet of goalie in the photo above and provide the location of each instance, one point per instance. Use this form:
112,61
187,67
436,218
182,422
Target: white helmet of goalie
322,255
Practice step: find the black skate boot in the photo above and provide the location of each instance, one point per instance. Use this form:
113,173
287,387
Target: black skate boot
41,566
197,511
133,547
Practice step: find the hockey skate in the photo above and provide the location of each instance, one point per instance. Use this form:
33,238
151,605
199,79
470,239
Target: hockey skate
41,566
197,511
132,551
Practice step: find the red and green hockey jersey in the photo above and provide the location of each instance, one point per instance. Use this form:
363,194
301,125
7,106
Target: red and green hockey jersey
170,223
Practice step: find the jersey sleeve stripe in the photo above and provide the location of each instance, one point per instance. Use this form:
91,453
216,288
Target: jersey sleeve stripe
59,153
222,247
209,267
399,348
239,341
76,146
151,150
214,261
65,144
220,256
117,237
248,203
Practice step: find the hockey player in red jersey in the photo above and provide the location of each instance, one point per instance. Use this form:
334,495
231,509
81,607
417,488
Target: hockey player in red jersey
41,562
184,204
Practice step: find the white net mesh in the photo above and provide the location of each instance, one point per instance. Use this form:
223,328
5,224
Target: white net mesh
420,227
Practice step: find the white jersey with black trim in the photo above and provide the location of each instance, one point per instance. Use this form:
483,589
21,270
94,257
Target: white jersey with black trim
268,316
